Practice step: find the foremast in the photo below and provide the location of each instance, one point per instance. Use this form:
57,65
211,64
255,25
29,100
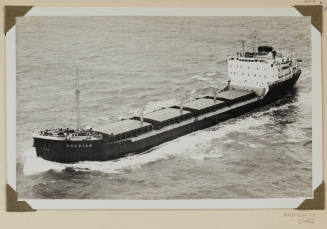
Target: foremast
77,93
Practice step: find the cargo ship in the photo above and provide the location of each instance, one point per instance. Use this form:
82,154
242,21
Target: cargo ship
255,79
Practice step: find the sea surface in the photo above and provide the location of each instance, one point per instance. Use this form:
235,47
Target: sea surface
130,63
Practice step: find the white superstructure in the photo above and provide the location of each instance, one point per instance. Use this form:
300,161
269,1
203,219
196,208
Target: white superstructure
258,70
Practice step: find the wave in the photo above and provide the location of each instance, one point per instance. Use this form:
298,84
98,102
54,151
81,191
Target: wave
211,74
200,77
206,77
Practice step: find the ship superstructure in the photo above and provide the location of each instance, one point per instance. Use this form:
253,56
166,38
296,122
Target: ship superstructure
254,79
260,70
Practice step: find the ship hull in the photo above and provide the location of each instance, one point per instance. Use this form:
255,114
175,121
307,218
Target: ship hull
102,150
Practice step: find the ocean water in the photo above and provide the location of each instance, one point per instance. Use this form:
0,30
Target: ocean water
129,63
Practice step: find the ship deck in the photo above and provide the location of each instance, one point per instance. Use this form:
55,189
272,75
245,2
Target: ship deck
63,138
164,117
233,94
165,114
202,103
171,116
122,126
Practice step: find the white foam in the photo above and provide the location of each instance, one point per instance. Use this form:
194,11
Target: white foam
295,135
201,77
35,165
211,74
253,145
229,141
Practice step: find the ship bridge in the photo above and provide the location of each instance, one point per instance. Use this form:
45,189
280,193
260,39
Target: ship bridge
257,70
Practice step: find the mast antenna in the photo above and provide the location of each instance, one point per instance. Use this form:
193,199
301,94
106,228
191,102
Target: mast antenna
77,92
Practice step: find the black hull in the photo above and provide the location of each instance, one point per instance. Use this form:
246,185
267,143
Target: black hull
100,150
